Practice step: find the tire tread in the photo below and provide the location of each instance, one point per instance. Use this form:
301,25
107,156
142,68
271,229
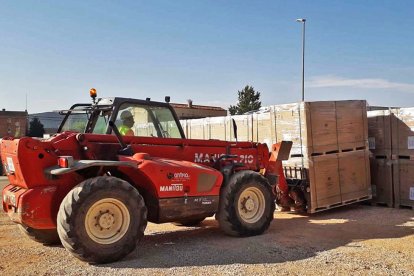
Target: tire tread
72,203
228,219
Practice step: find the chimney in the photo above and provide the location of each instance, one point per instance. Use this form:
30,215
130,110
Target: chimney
190,103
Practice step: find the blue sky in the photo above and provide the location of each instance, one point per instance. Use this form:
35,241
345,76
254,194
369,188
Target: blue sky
55,51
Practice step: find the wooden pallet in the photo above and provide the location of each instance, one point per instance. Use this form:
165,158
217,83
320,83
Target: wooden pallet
324,153
340,150
380,204
340,204
352,149
406,157
405,207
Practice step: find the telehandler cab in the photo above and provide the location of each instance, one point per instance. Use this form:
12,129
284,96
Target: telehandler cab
93,189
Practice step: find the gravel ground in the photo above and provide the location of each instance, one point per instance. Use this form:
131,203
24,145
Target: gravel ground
355,240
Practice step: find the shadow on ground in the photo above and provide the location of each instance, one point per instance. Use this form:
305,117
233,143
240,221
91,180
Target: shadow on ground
289,238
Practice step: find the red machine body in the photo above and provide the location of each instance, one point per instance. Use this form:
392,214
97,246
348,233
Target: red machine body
33,196
179,179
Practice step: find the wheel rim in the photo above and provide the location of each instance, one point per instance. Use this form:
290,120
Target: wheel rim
107,221
251,205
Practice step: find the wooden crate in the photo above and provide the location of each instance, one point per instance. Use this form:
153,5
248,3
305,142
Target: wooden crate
311,126
403,176
317,128
403,133
322,176
354,176
334,179
381,169
321,127
351,122
380,132
325,190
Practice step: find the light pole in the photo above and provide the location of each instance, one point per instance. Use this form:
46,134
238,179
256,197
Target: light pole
303,20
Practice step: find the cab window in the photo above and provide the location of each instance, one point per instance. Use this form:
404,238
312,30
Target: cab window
146,121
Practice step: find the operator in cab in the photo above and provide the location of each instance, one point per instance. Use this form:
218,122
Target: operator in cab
127,123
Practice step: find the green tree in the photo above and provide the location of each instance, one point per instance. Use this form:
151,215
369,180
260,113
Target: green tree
36,128
249,100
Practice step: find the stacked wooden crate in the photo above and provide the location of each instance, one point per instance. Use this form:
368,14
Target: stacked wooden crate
382,161
403,152
391,136
329,145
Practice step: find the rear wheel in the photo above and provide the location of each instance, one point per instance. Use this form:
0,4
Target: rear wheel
102,219
246,205
44,236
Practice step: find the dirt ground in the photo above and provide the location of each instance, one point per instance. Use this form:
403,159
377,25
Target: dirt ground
355,240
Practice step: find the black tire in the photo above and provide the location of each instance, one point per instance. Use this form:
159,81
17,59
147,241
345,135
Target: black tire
243,186
44,236
83,233
189,222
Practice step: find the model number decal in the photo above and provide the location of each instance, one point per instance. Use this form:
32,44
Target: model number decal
172,188
204,200
246,159
207,158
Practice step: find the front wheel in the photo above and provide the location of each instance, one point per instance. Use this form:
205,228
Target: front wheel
246,205
102,219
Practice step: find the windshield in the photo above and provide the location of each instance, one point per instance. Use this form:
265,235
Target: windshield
147,121
79,116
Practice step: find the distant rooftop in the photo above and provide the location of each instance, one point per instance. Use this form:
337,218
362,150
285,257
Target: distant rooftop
52,120
204,107
4,112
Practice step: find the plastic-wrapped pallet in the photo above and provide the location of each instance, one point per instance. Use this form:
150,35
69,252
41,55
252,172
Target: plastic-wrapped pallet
217,128
264,127
196,129
244,127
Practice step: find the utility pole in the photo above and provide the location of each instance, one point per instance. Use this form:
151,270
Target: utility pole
303,20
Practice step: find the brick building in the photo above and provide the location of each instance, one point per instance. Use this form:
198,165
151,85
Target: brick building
190,111
13,123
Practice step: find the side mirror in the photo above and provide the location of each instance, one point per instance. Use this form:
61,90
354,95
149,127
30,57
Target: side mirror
234,128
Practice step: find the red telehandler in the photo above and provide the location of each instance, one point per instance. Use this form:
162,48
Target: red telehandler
93,189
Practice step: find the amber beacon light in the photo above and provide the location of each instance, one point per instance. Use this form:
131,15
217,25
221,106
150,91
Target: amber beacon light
93,94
